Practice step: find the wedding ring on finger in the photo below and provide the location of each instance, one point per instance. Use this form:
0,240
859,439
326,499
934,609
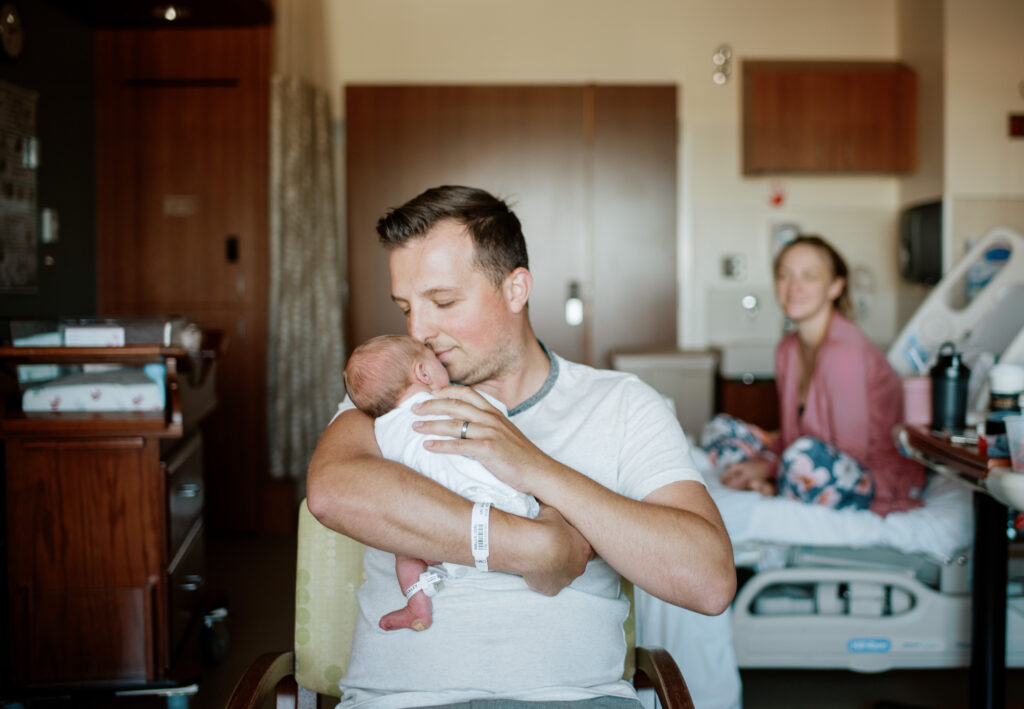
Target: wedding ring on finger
465,428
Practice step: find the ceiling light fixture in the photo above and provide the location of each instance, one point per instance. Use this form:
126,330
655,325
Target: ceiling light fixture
171,13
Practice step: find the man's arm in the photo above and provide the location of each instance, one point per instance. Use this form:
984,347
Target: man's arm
352,489
672,544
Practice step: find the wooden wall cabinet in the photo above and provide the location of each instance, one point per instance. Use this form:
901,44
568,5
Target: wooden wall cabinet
801,116
104,530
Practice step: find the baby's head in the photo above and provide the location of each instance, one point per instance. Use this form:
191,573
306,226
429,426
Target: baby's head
385,370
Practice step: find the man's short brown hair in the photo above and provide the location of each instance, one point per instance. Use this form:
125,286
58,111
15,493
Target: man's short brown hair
493,226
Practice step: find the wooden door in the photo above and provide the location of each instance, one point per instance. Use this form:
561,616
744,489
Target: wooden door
634,290
590,171
524,144
182,190
194,182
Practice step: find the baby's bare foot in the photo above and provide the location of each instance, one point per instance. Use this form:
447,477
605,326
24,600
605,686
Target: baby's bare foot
415,616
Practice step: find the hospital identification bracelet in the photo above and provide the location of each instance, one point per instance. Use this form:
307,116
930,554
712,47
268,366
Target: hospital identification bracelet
479,533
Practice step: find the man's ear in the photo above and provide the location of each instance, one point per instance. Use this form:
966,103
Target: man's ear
517,287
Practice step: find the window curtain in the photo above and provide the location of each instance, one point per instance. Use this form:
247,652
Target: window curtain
305,351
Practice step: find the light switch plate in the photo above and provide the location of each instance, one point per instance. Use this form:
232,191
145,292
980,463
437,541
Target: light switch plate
49,226
734,266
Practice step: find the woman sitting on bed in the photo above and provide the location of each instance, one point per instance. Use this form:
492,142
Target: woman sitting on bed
839,401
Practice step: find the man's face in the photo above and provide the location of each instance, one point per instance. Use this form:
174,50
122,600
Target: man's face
451,306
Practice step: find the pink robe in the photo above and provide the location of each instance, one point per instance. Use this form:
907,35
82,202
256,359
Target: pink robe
854,401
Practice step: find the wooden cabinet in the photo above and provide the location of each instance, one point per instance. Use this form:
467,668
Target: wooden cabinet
750,399
828,117
105,538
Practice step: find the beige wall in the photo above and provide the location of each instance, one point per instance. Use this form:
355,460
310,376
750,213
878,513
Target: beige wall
922,35
921,44
984,68
984,173
970,62
335,42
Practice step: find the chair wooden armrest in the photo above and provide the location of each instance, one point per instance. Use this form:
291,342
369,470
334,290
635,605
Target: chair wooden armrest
655,669
271,673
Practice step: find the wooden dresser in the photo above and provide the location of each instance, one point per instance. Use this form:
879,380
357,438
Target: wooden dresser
106,577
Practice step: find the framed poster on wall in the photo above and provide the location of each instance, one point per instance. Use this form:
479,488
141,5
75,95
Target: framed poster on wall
19,162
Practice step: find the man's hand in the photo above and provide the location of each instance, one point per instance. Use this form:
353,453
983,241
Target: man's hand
491,438
380,502
559,553
749,475
565,554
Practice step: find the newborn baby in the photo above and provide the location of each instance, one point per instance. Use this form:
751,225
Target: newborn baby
385,377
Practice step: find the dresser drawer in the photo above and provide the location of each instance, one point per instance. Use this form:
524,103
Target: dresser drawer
187,586
185,490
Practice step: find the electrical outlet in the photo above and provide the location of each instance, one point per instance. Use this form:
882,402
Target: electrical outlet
734,266
49,226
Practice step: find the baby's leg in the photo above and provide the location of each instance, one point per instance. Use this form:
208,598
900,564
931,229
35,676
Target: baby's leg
818,472
417,613
728,440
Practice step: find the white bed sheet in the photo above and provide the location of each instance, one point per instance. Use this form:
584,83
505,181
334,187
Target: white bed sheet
942,528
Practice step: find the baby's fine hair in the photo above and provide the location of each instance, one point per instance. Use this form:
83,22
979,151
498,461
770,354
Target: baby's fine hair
379,370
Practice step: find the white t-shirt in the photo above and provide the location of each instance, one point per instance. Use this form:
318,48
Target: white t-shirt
517,643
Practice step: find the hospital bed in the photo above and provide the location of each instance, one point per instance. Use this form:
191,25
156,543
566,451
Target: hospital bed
834,589
988,324
831,589
849,589
869,594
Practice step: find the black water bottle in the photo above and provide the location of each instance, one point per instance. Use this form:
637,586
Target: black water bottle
949,390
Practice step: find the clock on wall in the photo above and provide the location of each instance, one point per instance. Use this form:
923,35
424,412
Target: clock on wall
12,33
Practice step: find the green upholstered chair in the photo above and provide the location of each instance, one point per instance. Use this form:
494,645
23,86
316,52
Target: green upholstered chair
329,571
